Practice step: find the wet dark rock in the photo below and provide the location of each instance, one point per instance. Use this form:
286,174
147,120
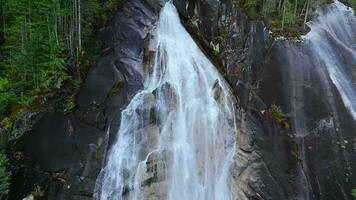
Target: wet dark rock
318,117
45,144
167,94
99,82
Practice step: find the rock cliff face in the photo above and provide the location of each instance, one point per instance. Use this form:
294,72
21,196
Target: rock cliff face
63,154
266,161
317,86
313,159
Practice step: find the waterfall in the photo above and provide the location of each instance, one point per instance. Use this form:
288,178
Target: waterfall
177,137
332,41
318,76
321,69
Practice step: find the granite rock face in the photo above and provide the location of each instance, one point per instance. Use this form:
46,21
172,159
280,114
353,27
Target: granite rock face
317,87
266,161
318,115
314,158
64,153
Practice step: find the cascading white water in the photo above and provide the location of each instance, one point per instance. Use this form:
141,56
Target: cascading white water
332,41
177,136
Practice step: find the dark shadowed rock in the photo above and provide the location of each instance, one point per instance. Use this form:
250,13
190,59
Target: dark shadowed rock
57,149
50,145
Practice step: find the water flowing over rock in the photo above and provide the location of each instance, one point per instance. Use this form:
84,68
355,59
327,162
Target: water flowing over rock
317,87
177,136
158,121
332,41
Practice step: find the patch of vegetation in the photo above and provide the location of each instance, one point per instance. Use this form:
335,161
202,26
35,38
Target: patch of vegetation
42,44
278,112
279,115
283,17
68,101
350,3
4,176
68,105
211,49
43,53
118,86
353,192
6,123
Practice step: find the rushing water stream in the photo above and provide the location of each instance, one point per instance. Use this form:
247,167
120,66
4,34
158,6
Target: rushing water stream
177,136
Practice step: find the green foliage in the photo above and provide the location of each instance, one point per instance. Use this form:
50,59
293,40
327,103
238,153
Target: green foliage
285,17
279,115
353,192
277,111
252,6
4,84
4,176
38,40
6,123
102,11
68,105
289,15
33,51
351,3
7,99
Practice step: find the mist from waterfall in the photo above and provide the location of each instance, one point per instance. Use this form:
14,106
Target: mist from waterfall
177,136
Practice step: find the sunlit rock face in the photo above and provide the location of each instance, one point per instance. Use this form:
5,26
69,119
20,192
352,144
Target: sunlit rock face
315,82
177,136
